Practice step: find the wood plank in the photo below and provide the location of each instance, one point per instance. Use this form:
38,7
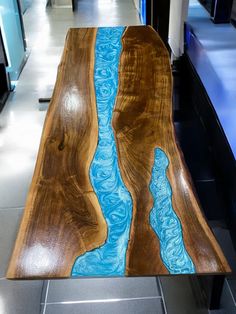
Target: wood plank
142,121
62,217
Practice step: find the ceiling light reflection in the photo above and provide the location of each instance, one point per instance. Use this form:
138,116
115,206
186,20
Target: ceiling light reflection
39,259
72,100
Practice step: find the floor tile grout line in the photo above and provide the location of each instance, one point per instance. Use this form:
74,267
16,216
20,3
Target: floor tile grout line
230,291
46,298
104,300
162,294
11,208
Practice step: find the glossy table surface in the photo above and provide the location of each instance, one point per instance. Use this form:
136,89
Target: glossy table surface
111,195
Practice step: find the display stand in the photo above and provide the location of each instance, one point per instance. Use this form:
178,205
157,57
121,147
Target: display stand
4,78
222,11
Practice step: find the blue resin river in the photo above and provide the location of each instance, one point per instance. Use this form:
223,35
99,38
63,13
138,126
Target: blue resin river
165,222
114,198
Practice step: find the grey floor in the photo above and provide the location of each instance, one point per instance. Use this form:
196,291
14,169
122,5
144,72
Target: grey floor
21,123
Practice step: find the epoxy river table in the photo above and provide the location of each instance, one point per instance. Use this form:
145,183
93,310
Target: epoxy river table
111,195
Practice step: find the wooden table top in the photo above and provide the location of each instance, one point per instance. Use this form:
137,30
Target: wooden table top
111,194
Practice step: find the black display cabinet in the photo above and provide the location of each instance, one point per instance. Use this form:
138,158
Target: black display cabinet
157,15
4,77
161,16
220,10
233,14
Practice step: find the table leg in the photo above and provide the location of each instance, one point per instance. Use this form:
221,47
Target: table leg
41,100
74,5
216,291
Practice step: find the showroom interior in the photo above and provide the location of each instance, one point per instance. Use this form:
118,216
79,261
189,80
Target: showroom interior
196,40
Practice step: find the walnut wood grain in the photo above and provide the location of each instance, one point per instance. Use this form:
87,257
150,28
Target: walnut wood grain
62,217
142,121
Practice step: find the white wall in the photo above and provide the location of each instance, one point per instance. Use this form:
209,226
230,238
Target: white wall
178,15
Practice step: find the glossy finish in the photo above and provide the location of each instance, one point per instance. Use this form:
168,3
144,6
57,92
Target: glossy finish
61,194
63,217
113,197
164,220
142,121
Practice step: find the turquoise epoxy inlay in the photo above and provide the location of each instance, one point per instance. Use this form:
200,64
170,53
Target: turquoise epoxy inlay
165,222
114,198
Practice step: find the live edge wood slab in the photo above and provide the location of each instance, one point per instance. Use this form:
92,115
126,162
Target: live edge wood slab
111,194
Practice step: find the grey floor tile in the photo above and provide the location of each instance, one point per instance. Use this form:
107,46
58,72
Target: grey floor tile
70,290
225,241
20,297
178,296
227,301
45,289
151,306
20,103
20,141
217,312
232,286
9,222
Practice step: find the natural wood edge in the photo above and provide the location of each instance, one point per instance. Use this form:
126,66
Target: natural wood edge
193,195
27,217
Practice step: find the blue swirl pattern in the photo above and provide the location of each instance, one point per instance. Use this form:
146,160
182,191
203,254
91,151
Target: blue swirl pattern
165,222
114,198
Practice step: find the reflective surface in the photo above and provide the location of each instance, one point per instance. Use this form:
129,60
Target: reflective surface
45,30
213,53
113,196
110,111
165,222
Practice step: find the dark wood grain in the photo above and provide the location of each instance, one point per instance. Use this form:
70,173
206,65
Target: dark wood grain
142,121
62,218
